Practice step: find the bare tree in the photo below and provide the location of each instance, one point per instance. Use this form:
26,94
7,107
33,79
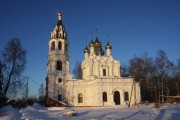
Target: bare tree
14,57
77,72
176,77
163,64
141,69
2,67
41,93
124,70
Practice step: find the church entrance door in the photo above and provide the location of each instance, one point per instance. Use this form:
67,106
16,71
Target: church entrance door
117,98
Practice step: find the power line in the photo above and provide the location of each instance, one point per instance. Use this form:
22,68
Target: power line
35,81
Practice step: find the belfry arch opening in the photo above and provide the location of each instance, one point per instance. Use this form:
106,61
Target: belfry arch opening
59,46
59,65
116,98
53,45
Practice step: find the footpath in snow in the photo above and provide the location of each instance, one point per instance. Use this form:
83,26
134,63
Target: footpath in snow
38,112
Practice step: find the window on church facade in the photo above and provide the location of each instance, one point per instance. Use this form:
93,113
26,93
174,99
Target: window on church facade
59,65
80,98
53,46
126,96
59,46
104,97
60,80
104,72
59,97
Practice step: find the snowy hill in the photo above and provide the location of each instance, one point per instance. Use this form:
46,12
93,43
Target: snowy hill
165,112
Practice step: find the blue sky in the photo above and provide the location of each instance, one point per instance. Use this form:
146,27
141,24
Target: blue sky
134,27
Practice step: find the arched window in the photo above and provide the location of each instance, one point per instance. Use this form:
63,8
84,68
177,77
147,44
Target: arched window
104,72
59,65
126,96
59,97
53,45
80,98
104,97
59,46
60,80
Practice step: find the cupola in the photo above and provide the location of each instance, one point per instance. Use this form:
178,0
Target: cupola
108,46
86,50
102,52
59,29
108,49
97,43
91,44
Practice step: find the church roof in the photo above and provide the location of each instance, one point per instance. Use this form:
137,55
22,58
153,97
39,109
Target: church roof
86,50
108,46
59,23
91,44
97,42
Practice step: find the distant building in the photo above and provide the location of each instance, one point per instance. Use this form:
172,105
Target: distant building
101,83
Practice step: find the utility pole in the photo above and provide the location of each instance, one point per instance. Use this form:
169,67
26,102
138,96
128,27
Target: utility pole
27,90
131,93
162,92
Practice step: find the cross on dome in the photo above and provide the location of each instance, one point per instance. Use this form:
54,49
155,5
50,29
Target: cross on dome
59,16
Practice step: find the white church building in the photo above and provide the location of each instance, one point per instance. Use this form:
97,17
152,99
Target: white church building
101,83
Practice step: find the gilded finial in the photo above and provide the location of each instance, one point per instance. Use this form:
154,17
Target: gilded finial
59,16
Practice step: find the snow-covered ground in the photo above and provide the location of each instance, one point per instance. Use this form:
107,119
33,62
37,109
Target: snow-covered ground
38,112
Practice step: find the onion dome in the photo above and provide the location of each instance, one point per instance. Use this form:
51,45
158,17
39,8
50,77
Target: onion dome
102,52
91,44
108,46
86,50
97,43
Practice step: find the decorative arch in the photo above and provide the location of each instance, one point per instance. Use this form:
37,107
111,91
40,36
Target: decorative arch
104,96
53,45
59,45
80,98
59,65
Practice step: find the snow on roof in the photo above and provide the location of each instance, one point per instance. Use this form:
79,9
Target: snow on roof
58,101
173,96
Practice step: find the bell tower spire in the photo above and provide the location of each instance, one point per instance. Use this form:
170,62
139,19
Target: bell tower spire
59,16
58,66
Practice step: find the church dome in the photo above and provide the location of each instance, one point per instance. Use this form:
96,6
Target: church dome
97,43
91,44
108,46
102,52
86,50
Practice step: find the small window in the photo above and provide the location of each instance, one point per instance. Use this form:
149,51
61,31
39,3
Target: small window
126,96
53,45
60,80
59,46
59,97
104,97
80,98
59,65
104,72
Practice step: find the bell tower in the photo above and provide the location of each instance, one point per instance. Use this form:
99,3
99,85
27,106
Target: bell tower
58,66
